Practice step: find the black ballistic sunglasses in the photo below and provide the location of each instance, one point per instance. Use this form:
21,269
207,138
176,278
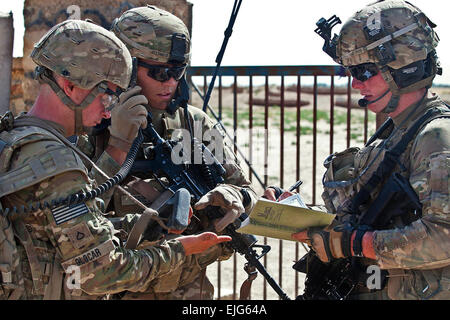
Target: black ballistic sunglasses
163,73
364,71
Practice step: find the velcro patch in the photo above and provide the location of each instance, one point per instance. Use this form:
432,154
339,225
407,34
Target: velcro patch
65,213
90,256
79,235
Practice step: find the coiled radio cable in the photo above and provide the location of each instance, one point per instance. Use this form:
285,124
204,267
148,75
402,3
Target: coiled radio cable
82,196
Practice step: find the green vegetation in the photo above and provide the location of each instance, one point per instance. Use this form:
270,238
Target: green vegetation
306,116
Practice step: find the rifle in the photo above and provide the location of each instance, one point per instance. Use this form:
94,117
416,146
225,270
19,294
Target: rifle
199,179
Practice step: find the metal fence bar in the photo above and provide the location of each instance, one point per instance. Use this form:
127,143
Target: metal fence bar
280,245
219,265
331,113
250,121
266,155
235,114
297,168
318,70
235,119
314,141
298,130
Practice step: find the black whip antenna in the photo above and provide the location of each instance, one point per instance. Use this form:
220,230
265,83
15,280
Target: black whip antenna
228,32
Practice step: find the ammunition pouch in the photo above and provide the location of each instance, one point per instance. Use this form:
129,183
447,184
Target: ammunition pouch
337,180
420,284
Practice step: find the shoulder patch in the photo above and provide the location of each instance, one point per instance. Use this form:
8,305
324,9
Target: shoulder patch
65,213
79,235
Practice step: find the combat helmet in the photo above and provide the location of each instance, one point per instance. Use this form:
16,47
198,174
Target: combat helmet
398,38
154,34
87,55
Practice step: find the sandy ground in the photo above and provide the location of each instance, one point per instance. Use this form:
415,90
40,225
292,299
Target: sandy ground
283,254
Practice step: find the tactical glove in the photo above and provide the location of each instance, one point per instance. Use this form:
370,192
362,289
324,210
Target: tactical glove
329,243
338,242
127,117
226,196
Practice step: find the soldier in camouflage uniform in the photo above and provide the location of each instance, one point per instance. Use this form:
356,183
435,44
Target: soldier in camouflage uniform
161,43
72,251
389,48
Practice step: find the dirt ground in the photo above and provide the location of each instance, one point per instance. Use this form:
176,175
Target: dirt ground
283,254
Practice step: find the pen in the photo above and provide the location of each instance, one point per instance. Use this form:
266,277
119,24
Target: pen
295,185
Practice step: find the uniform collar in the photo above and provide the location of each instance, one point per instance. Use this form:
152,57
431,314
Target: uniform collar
413,112
58,127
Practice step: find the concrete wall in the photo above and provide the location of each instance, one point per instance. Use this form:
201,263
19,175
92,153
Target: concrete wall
6,50
41,15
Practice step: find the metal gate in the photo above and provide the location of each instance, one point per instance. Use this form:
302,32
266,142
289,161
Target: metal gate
283,121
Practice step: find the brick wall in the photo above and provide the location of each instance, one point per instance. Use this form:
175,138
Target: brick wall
16,102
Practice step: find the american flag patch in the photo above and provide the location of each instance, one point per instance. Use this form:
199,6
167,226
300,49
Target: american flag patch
66,213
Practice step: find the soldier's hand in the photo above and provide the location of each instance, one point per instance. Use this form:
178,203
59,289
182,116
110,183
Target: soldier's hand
226,196
328,245
127,117
198,243
335,243
270,194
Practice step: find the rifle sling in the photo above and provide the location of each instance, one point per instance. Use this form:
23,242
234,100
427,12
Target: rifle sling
139,227
246,286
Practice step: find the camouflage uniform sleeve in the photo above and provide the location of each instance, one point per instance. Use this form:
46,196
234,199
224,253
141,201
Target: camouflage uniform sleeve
105,266
84,239
424,243
234,174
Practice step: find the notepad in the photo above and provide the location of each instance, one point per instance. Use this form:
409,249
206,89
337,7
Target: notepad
281,219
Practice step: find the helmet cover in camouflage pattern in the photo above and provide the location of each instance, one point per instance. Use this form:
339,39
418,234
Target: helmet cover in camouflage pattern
84,53
413,45
148,32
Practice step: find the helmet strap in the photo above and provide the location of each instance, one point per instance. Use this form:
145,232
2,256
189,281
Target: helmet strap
397,92
44,76
393,102
180,98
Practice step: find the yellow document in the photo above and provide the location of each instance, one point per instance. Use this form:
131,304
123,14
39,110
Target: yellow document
281,219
